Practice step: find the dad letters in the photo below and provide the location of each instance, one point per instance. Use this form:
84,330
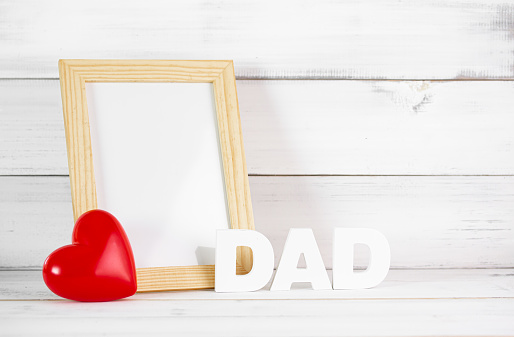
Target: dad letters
300,241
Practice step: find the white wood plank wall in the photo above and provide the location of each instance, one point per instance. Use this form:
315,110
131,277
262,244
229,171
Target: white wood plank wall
379,39
395,115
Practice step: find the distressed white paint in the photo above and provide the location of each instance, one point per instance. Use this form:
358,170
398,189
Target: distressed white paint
312,127
399,284
430,222
36,218
377,128
32,139
451,302
304,127
267,38
438,317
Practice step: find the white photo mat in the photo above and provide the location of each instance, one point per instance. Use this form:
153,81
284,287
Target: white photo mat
156,158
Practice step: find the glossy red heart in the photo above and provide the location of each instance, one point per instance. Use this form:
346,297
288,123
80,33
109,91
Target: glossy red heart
98,266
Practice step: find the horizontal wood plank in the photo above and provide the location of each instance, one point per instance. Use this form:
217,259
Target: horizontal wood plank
268,39
469,317
36,218
291,317
32,139
399,284
378,127
440,222
431,222
311,127
407,303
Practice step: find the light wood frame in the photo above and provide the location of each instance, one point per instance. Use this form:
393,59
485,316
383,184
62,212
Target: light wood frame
73,77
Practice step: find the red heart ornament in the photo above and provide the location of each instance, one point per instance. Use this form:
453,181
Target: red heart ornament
98,266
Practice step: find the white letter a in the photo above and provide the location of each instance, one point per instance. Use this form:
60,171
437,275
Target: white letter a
301,240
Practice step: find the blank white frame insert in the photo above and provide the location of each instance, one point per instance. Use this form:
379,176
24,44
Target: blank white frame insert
159,168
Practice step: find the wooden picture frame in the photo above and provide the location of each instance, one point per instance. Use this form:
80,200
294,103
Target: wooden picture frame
74,74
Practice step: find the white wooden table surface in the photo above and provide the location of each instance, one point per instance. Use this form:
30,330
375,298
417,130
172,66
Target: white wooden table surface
463,302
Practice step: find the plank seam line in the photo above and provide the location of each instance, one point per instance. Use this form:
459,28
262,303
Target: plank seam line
313,78
309,175
323,78
376,175
34,175
280,299
38,269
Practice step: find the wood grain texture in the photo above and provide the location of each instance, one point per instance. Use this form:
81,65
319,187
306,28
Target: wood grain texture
335,129
438,317
73,76
182,278
440,222
176,278
268,39
378,127
444,303
399,284
312,127
31,118
36,218
431,222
